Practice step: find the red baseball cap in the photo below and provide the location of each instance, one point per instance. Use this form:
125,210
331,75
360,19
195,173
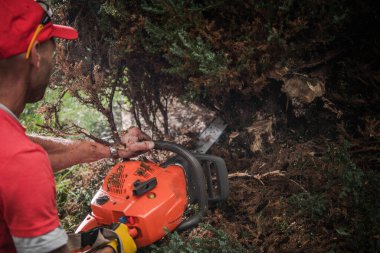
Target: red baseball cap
25,21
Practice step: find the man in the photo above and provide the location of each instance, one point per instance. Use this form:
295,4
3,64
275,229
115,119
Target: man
28,215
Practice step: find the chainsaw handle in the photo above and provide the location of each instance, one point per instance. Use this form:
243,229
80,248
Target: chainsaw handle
199,183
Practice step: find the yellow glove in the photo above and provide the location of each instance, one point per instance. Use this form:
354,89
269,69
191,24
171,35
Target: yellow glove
127,244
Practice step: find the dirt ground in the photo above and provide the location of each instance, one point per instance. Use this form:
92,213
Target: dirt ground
257,213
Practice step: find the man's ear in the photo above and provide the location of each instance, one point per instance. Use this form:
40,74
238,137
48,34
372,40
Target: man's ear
35,57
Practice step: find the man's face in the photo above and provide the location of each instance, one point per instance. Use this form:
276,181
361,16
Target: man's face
40,76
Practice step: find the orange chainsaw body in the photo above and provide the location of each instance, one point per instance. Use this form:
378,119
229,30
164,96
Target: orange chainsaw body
146,197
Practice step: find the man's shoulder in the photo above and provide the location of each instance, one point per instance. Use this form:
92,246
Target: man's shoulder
25,163
13,139
17,149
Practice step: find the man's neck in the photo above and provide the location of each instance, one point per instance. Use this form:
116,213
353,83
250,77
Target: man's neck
14,103
4,108
13,84
12,94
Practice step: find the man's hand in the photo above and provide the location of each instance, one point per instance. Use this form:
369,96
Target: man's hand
136,142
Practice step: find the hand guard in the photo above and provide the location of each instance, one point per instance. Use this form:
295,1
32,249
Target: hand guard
115,236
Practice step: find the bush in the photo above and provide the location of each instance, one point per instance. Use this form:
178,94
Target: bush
313,205
207,240
345,200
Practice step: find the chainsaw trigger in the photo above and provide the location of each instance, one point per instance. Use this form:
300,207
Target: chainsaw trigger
142,187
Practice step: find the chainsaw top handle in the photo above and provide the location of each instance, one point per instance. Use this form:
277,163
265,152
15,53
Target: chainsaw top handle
198,185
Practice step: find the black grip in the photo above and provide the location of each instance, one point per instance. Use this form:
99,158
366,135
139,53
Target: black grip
199,181
142,187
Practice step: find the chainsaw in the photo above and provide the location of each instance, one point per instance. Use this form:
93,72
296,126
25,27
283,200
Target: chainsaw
153,198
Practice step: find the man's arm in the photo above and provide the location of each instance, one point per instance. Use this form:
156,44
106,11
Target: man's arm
65,153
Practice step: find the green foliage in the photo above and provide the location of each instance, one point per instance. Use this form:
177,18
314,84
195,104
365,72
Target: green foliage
351,177
187,55
197,51
30,118
109,9
359,196
63,186
312,205
208,241
284,226
347,199
72,111
110,14
73,198
226,45
212,51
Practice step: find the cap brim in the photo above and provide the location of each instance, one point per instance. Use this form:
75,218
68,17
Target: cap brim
64,32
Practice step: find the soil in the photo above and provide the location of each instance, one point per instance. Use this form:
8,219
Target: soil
255,212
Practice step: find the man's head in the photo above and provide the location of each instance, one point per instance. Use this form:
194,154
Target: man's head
25,21
27,45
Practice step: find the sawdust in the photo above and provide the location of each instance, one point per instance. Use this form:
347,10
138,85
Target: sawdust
304,88
258,129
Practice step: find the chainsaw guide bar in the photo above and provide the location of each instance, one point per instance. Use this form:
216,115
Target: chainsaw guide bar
210,135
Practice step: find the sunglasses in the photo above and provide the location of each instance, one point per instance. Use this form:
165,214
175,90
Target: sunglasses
45,19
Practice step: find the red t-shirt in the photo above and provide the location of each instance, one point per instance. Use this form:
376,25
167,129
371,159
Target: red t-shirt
27,187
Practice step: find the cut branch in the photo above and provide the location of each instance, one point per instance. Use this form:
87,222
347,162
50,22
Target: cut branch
259,177
110,118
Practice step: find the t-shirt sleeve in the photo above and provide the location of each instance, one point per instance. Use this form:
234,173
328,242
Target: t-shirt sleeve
44,243
28,194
